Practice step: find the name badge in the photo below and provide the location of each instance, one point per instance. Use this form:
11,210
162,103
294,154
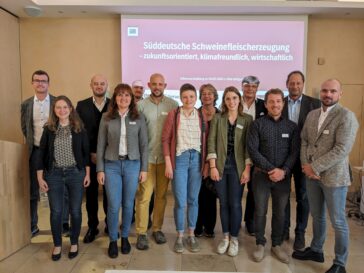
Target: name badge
285,135
164,113
326,132
132,122
239,126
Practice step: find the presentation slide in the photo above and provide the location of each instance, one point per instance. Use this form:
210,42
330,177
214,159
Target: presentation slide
220,52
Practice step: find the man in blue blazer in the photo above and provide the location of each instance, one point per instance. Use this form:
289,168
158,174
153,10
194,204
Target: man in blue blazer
296,107
90,111
34,114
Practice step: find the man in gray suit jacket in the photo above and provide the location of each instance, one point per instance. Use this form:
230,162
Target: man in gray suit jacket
327,139
34,114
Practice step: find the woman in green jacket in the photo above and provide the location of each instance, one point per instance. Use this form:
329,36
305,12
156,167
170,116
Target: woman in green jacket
229,165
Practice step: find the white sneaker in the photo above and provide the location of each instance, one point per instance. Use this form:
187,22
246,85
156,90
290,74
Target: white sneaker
233,248
223,246
258,253
280,254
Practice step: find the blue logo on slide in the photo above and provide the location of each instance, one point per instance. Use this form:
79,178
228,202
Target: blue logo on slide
133,31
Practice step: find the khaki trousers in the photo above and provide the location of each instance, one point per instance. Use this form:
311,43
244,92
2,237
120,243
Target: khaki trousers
156,180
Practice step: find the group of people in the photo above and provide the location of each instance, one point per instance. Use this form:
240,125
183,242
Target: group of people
134,147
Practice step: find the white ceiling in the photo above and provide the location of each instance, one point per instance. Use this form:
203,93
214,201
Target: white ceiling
86,8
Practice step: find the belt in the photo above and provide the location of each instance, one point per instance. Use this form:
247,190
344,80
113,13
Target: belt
123,157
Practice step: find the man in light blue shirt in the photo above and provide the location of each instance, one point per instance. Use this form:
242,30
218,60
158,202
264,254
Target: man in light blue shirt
297,106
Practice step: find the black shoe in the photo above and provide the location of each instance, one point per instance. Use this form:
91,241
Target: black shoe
35,231
125,245
72,255
308,254
299,242
113,250
90,235
335,268
209,234
198,233
250,228
56,257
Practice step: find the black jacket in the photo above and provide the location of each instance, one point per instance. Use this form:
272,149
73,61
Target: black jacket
307,105
80,147
91,118
260,109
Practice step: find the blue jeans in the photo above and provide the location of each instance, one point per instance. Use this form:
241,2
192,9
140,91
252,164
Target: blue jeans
230,191
186,187
320,196
65,217
58,180
263,187
121,182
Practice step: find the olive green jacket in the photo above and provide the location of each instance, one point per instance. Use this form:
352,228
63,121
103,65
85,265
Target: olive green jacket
217,141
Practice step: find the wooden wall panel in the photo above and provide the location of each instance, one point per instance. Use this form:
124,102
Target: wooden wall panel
14,198
10,80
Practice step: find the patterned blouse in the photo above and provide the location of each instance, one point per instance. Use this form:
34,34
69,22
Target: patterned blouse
63,152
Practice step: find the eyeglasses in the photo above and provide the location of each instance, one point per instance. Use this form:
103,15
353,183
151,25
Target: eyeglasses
40,81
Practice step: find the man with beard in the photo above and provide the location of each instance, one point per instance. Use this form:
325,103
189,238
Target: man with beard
155,109
273,145
327,139
90,111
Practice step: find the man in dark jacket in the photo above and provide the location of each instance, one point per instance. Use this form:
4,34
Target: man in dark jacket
34,114
90,111
255,107
296,107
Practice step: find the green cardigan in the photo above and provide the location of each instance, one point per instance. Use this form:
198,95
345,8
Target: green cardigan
217,141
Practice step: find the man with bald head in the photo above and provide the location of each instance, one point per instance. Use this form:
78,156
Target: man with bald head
155,109
327,139
90,111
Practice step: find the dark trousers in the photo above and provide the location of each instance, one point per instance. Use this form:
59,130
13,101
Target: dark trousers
92,203
58,179
34,188
66,213
302,208
206,219
250,204
263,187
230,191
